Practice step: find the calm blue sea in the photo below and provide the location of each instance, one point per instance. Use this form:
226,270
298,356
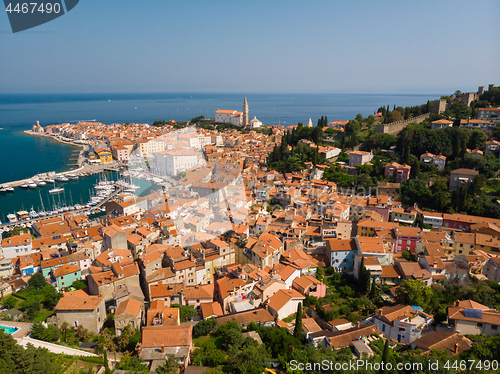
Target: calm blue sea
23,156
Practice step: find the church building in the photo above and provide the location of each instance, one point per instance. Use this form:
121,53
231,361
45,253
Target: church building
232,116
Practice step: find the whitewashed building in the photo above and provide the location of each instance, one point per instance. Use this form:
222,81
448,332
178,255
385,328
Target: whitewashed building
173,161
19,245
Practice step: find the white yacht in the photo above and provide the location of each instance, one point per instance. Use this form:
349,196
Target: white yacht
12,218
49,180
9,189
24,185
41,183
56,190
33,214
31,184
61,178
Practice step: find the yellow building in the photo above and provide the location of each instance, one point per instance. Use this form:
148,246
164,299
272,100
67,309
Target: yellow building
369,227
104,154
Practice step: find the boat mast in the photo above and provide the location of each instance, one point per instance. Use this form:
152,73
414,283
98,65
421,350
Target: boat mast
41,201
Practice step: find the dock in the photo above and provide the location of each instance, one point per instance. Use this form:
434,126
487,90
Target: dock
52,174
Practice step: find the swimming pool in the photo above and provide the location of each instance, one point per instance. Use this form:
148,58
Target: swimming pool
9,329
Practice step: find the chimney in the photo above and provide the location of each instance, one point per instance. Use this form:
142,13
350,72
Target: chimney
457,302
163,349
139,350
358,324
381,312
456,348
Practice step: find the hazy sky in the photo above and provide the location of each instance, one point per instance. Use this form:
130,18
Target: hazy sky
257,46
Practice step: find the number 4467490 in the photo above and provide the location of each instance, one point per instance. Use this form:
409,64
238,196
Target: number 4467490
34,7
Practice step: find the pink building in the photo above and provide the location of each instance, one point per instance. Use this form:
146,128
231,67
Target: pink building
400,173
309,285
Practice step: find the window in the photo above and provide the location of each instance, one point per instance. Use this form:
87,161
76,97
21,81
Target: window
480,325
494,327
408,242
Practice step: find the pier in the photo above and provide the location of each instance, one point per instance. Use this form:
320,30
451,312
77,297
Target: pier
52,174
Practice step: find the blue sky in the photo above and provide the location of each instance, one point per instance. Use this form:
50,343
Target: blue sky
257,46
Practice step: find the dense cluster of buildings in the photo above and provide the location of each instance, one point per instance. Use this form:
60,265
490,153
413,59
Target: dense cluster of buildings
237,241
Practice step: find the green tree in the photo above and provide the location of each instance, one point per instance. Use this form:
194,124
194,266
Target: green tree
297,332
50,296
251,360
319,273
209,355
31,306
373,289
408,256
169,367
80,284
17,360
37,281
232,339
10,302
385,355
133,364
477,139
440,316
414,292
364,278
204,327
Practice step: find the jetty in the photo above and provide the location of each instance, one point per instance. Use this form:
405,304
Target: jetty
83,169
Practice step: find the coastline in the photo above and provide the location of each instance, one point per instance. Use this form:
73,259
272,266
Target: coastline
81,167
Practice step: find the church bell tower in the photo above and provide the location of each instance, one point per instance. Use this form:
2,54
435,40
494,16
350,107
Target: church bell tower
245,112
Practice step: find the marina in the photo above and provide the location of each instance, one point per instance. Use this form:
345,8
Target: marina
86,192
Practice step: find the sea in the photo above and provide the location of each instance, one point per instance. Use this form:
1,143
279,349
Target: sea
22,156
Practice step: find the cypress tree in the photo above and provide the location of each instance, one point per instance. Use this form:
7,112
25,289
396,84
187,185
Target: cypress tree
297,332
385,356
361,267
463,148
373,290
326,121
106,364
